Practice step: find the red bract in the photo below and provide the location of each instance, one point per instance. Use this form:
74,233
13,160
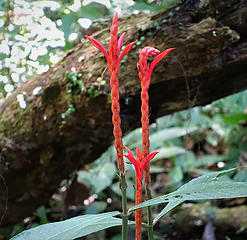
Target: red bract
139,163
145,72
144,68
113,60
112,47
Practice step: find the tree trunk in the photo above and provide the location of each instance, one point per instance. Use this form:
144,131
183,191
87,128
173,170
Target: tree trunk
44,142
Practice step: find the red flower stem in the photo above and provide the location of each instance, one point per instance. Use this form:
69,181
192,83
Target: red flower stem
145,148
115,107
139,177
113,60
138,213
117,132
119,149
114,63
114,69
145,82
139,163
145,128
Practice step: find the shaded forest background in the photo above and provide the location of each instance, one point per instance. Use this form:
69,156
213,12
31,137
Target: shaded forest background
55,111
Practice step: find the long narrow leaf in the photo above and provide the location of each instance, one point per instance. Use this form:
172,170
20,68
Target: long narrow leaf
171,205
209,186
159,137
72,228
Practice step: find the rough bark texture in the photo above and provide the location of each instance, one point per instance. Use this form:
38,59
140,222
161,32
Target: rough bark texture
38,150
189,221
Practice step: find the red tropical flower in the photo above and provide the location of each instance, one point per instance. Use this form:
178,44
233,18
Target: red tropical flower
145,72
139,163
113,47
113,60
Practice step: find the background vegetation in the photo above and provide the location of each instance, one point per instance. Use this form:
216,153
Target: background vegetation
34,35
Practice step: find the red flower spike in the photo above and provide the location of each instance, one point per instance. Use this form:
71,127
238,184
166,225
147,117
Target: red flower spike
145,72
138,197
139,164
113,60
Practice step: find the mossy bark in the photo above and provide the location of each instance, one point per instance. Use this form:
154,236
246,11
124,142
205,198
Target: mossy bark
38,149
189,220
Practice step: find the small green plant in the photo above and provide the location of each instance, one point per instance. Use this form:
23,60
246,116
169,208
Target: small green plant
93,92
74,82
213,185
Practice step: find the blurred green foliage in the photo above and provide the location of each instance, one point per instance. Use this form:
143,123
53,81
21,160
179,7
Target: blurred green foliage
34,35
217,133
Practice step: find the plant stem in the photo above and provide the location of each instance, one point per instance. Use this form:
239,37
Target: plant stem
123,187
149,212
150,224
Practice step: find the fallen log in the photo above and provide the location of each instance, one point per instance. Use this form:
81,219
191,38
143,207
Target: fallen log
190,220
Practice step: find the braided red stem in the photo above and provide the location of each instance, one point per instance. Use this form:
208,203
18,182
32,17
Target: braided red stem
145,75
145,82
139,176
114,69
139,163
138,213
114,60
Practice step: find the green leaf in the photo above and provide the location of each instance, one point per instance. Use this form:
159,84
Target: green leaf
176,175
141,6
202,161
96,207
158,169
90,12
4,6
241,176
41,213
67,21
157,138
171,205
170,3
189,162
199,118
170,133
72,228
209,186
132,138
130,191
234,118
99,178
168,152
186,161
